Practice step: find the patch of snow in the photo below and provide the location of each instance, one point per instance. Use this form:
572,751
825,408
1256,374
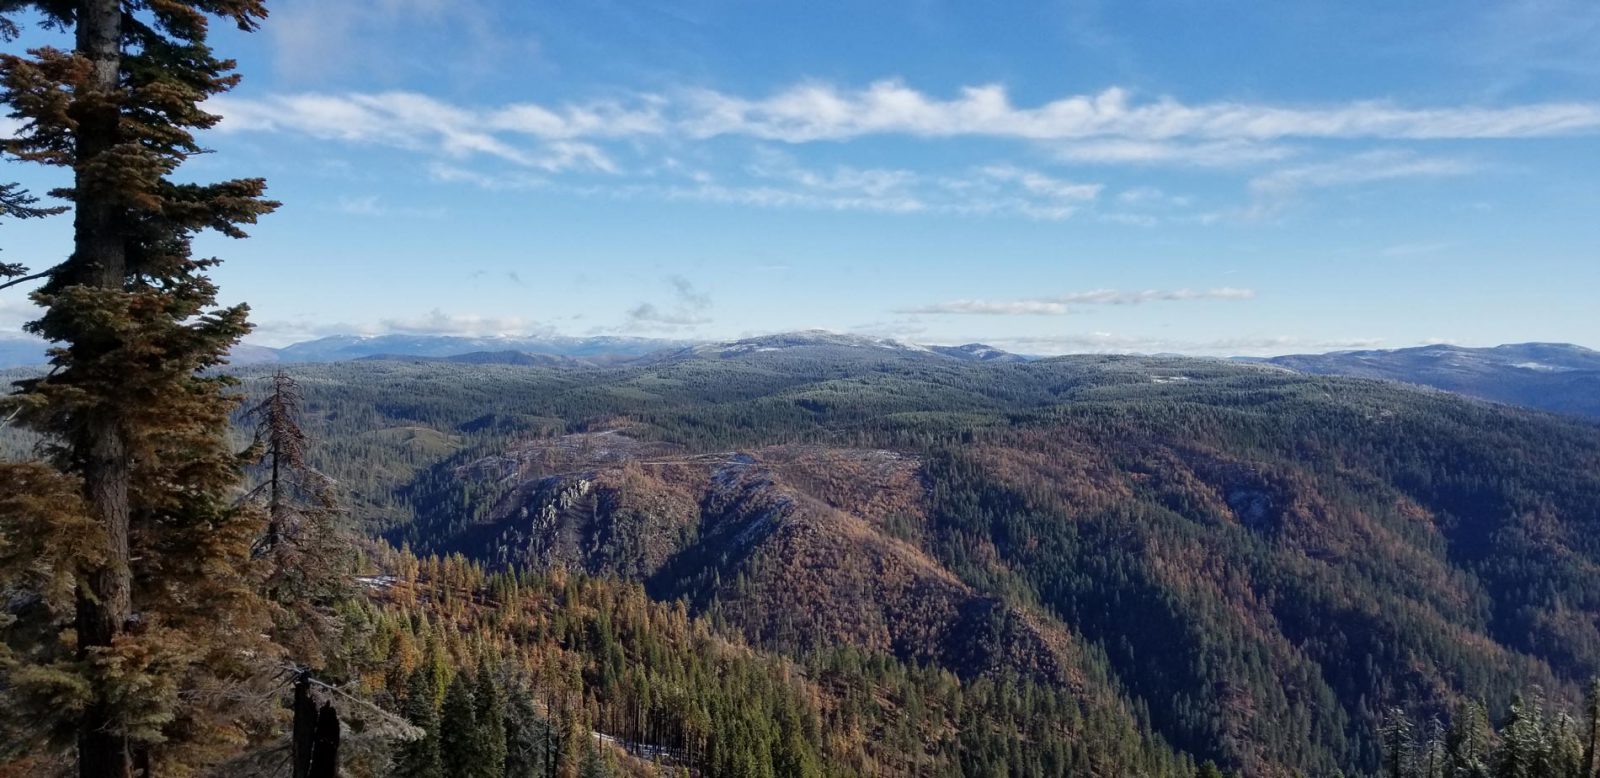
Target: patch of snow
376,581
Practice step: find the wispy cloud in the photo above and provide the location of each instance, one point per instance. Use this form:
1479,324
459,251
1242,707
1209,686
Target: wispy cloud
1114,343
1150,195
409,121
15,310
1225,153
437,322
820,111
775,180
1129,130
1366,167
690,307
374,206
1062,305
282,332
627,147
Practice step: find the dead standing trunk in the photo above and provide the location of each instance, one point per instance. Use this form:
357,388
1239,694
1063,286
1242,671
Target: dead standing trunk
104,601
325,752
304,733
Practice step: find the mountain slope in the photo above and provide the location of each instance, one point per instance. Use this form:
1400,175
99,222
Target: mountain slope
1551,376
1244,562
978,352
1251,563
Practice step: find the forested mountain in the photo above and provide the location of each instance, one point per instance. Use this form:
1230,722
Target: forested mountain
1208,561
1557,377
1553,376
799,555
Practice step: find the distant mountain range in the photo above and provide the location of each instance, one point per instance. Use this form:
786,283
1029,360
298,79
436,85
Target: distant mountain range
1557,377
1551,376
833,345
605,350
555,350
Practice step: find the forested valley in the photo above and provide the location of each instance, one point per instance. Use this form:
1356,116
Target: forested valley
812,556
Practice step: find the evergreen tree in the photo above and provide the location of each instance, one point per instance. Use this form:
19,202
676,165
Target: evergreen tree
490,731
529,737
47,544
1591,727
420,758
164,610
1521,743
1397,736
594,764
1563,752
1467,743
459,741
792,756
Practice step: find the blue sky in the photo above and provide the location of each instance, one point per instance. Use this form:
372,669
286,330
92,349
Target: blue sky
1196,176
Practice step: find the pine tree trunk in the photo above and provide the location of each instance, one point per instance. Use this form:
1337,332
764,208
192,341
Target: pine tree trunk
99,260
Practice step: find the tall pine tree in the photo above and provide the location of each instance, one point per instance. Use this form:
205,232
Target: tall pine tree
491,725
164,614
459,742
419,757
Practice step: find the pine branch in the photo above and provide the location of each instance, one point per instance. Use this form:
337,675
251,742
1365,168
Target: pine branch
25,279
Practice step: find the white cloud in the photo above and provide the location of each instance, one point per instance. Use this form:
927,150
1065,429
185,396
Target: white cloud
1040,184
818,111
1066,304
1128,219
1114,343
437,322
994,308
1274,191
775,180
603,119
500,181
1122,129
403,120
1366,167
545,143
774,197
374,206
282,332
1227,153
16,309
